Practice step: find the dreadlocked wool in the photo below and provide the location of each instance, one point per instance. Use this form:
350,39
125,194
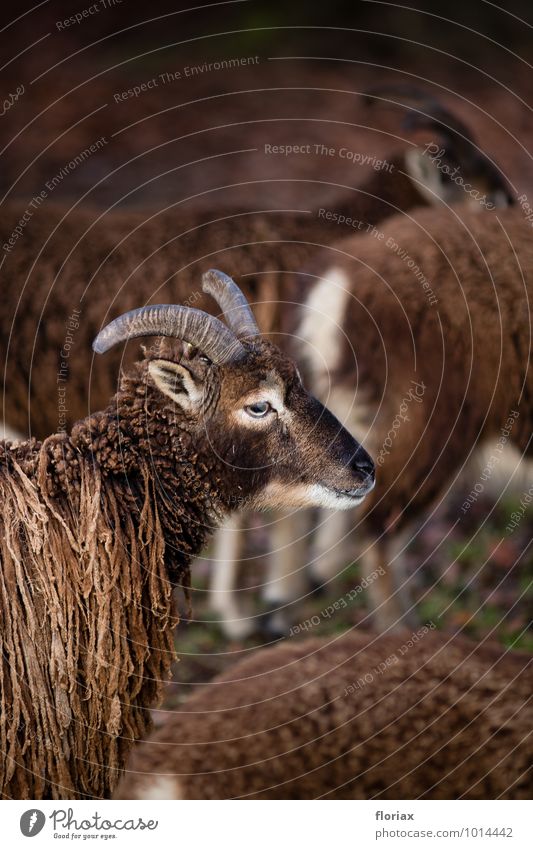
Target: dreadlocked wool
87,619
99,523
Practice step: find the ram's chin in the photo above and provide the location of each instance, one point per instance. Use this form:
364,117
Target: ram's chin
279,495
321,496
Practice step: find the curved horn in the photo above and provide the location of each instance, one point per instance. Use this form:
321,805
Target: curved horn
200,329
232,302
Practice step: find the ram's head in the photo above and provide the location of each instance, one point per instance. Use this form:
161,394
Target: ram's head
243,398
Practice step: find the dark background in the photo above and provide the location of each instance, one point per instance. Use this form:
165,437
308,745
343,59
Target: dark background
314,61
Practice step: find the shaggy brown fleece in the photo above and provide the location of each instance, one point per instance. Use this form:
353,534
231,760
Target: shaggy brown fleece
356,717
86,635
96,526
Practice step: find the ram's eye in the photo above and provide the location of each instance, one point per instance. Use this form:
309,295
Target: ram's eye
258,410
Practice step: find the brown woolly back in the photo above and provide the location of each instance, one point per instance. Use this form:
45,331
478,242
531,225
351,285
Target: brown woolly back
87,618
352,716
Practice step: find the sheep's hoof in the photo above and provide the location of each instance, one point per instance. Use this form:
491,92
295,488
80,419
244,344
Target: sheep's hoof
317,586
317,579
273,624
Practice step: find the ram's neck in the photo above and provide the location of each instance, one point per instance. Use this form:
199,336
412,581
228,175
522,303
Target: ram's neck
151,453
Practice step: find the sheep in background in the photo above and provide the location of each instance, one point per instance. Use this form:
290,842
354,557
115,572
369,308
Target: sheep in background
455,170
359,717
99,523
428,358
285,579
65,269
417,336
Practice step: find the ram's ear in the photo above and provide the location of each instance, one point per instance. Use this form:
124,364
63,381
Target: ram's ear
178,382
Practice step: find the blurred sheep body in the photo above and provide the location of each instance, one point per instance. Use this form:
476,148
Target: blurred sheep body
65,269
357,717
418,336
428,356
99,523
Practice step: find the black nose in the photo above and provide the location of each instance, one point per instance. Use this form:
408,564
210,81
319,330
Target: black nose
362,464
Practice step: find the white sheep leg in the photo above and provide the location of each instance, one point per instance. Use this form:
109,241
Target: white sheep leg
286,580
388,593
225,569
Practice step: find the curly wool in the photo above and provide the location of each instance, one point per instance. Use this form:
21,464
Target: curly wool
355,717
97,526
87,619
